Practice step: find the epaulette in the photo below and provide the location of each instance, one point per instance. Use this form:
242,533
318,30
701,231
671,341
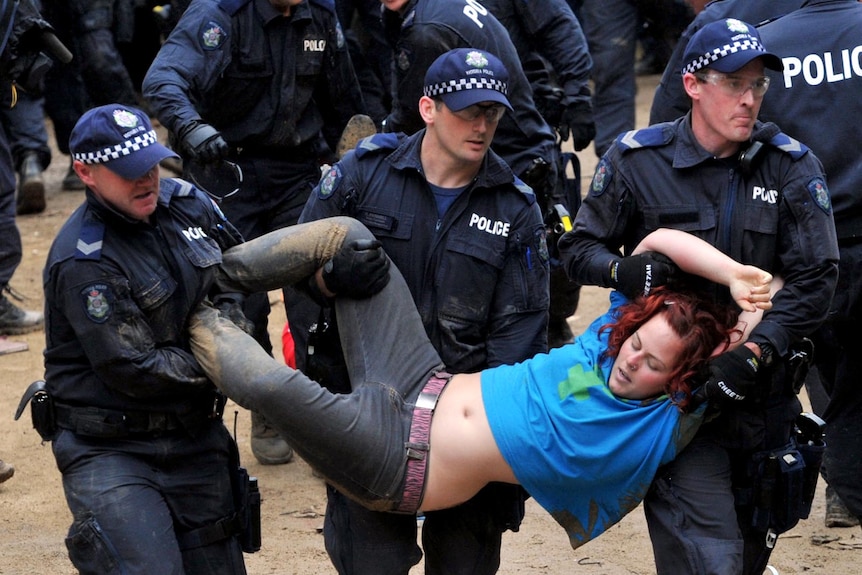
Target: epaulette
371,144
326,4
651,137
788,145
231,7
89,246
526,190
178,187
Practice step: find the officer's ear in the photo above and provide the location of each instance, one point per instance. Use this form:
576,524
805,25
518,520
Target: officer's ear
692,85
428,108
84,171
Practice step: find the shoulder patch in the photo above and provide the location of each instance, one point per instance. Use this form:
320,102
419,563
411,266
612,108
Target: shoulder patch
542,246
387,141
89,246
98,300
818,190
212,36
650,137
329,183
602,178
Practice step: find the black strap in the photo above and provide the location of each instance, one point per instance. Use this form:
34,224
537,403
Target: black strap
208,534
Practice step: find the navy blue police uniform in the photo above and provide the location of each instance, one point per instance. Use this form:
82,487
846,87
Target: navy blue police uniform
140,441
821,88
774,213
279,90
426,30
479,277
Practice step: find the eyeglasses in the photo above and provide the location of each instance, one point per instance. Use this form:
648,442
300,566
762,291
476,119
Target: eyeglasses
491,112
736,86
219,180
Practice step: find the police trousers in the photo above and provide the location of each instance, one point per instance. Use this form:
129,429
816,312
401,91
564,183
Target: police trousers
131,497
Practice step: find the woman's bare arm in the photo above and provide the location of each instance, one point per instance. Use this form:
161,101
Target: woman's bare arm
749,285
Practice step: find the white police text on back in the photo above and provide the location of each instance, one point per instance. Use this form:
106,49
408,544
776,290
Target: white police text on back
814,69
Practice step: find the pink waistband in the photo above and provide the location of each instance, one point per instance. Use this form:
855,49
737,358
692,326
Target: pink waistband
419,442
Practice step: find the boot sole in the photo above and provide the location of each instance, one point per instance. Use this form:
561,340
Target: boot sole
31,197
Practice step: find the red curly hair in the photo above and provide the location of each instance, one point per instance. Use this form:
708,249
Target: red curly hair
702,326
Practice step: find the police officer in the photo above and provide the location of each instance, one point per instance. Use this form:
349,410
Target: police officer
820,88
421,30
266,85
670,100
761,198
139,439
468,237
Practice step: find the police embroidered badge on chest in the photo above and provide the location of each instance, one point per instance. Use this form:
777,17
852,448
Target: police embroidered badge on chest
97,302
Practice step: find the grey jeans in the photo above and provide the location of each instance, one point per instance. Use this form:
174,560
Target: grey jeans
359,441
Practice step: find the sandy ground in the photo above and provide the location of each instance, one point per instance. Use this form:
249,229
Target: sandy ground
34,516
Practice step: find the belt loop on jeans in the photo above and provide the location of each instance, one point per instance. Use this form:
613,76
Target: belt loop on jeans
419,442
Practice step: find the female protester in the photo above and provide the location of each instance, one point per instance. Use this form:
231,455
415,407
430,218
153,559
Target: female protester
583,427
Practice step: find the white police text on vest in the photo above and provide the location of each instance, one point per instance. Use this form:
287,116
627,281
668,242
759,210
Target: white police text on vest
313,45
496,228
194,233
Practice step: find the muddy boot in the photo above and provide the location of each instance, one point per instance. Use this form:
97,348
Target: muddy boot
358,127
268,447
837,515
6,471
31,187
71,181
15,321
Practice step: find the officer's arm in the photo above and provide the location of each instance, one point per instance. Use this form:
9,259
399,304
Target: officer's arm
807,250
596,238
187,66
560,39
116,335
518,318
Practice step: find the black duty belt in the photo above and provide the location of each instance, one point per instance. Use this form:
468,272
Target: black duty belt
98,422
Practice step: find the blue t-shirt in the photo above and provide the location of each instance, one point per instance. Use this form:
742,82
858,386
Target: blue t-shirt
584,455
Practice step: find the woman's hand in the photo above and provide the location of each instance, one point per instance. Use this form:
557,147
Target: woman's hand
750,288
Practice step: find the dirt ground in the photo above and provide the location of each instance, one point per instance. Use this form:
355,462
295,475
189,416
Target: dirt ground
34,517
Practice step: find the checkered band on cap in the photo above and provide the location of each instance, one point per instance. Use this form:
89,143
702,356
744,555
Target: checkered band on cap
749,43
118,151
466,84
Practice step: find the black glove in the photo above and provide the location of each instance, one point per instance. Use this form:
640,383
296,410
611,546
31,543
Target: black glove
360,269
203,143
229,306
578,120
638,275
732,375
